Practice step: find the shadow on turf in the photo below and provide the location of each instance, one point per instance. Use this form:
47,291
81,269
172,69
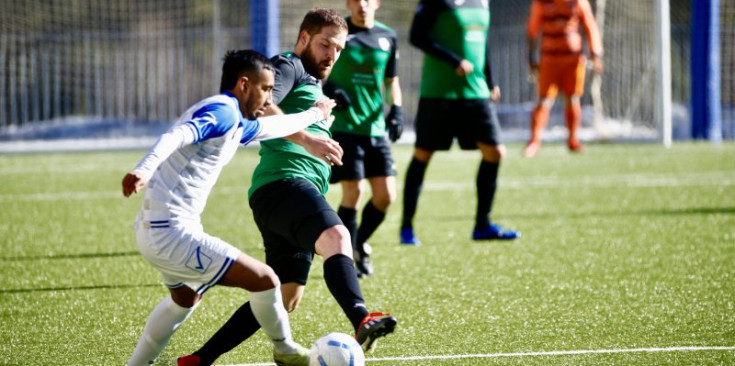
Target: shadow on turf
71,256
76,288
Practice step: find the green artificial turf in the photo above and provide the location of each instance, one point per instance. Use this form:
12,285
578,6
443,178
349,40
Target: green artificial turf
625,249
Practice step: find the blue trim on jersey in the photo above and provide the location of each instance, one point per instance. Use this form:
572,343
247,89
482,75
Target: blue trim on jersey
218,277
251,129
211,121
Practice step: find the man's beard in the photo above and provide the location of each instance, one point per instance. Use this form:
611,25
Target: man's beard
311,65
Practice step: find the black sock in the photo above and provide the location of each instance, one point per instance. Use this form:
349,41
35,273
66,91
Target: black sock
241,325
487,182
341,279
412,190
349,219
371,219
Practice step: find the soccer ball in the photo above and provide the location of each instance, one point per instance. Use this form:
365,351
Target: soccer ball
336,349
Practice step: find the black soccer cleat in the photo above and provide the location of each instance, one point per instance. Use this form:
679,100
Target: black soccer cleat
362,261
374,326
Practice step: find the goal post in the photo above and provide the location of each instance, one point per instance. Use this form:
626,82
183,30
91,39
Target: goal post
664,74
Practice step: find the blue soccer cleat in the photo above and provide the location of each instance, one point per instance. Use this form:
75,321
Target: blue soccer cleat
407,237
495,232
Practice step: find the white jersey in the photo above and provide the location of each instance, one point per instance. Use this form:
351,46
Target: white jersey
179,187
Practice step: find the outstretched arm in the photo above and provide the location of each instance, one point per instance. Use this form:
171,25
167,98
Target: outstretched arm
280,125
323,148
178,136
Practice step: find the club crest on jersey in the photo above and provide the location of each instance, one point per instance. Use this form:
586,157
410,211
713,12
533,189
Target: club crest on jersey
198,261
384,43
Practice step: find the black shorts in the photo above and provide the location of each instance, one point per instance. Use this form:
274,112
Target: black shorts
439,121
291,214
364,157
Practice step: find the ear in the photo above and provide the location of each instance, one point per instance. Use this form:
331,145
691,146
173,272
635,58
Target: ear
244,84
304,38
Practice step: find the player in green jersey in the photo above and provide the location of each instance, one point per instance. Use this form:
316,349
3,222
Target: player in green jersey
287,195
368,64
456,101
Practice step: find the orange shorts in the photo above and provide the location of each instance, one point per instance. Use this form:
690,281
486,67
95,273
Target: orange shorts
565,73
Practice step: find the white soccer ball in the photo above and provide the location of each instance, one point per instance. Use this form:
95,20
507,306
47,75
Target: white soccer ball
336,349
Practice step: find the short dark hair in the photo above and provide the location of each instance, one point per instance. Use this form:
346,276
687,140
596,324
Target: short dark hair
237,63
318,18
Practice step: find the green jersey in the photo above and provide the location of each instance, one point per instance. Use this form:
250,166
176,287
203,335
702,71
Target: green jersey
369,57
295,91
449,31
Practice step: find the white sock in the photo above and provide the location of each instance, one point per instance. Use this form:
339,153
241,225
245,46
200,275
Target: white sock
161,325
268,309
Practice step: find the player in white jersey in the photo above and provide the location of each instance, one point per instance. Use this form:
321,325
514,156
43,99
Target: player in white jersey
180,171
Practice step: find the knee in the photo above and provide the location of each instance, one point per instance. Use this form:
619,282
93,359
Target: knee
382,202
422,155
269,278
351,193
493,154
335,240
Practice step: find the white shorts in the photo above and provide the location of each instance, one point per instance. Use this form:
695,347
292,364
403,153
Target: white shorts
186,255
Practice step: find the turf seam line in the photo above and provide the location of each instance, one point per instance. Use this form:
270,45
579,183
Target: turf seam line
537,354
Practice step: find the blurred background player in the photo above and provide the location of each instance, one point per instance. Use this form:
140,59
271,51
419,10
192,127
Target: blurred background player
562,63
287,195
180,170
369,61
457,99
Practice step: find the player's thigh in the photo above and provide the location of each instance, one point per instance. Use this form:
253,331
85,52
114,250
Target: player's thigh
187,256
548,78
291,215
479,124
435,124
573,82
352,167
250,274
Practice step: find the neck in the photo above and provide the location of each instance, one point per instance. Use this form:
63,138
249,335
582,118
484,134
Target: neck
365,23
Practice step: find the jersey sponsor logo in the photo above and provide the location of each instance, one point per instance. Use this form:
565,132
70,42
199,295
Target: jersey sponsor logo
384,43
198,261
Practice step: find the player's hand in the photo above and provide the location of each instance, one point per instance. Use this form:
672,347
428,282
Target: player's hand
495,94
465,68
338,94
394,122
323,148
326,106
133,182
597,65
532,72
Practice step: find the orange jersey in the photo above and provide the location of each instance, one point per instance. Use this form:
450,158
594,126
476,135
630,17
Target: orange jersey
559,21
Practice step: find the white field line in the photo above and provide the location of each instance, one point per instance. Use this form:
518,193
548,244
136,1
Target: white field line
534,354
717,179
